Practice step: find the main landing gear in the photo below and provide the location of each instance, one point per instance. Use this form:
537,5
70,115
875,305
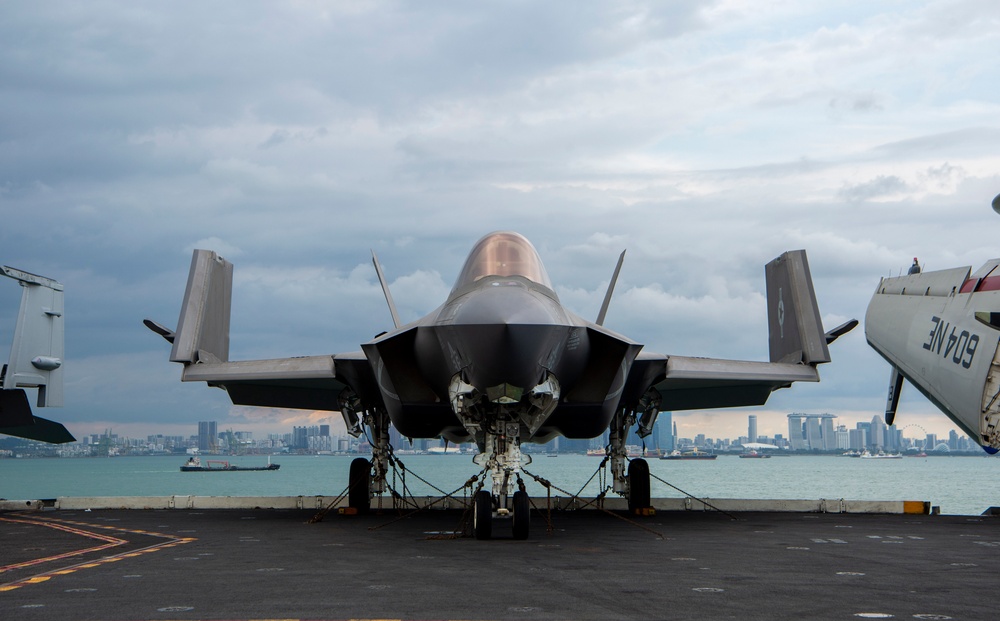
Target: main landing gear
359,481
632,483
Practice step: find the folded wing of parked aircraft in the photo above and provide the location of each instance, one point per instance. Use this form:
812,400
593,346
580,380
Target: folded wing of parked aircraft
36,358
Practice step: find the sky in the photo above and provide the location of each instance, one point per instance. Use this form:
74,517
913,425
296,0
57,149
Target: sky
294,138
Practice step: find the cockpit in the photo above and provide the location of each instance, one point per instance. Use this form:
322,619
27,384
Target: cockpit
503,253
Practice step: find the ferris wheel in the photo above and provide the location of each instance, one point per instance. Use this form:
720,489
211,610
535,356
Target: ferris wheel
923,431
919,442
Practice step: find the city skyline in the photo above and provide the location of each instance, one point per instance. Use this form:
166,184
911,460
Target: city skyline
205,429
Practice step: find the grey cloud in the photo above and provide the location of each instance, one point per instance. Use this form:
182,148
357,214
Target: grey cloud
297,137
883,185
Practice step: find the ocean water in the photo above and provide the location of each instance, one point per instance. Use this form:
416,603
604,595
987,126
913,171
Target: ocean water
958,485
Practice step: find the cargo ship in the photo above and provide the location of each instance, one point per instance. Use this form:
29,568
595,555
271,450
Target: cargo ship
194,465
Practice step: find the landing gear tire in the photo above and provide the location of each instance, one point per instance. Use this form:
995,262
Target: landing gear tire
358,496
522,515
482,515
638,485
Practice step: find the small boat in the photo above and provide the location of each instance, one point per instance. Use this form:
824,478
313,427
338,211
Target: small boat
751,454
693,454
194,465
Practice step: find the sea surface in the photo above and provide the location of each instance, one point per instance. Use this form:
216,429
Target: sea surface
958,485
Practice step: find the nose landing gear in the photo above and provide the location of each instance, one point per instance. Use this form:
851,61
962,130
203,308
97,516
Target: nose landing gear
483,514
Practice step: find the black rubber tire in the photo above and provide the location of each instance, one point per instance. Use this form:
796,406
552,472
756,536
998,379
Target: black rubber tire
359,495
482,515
522,515
638,485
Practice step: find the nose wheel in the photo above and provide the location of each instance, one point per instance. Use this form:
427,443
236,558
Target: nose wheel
482,515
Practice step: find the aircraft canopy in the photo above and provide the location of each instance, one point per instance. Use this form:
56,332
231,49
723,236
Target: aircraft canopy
503,254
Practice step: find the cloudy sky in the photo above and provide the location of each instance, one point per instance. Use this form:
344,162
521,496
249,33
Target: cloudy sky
294,137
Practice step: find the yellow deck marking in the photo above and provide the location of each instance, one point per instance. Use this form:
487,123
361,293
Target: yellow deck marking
71,527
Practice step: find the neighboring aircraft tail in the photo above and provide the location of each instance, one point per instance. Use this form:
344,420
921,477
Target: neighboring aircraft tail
203,328
36,357
794,324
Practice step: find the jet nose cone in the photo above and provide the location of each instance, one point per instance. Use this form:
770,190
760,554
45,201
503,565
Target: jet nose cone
507,302
508,333
510,355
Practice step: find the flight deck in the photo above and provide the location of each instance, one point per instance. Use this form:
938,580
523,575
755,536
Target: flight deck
837,561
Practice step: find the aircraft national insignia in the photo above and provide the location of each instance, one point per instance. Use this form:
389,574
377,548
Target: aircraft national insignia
781,314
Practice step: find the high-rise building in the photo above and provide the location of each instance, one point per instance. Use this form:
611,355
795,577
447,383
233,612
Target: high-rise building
208,435
829,435
752,428
814,433
843,437
877,436
796,435
811,432
667,430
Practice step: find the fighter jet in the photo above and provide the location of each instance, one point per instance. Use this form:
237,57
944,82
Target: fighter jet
500,363
940,330
36,357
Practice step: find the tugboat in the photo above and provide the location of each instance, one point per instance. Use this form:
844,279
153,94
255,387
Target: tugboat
753,454
194,465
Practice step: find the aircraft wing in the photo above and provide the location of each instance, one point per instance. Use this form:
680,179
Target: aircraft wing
201,344
686,383
797,344
307,383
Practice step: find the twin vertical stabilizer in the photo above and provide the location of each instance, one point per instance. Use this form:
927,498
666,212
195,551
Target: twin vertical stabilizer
203,328
794,323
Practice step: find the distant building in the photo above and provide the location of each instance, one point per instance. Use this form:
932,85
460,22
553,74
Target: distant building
752,427
877,437
667,431
843,438
858,439
811,432
208,435
796,437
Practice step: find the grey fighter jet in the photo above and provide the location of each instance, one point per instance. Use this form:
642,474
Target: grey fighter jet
940,331
500,363
35,360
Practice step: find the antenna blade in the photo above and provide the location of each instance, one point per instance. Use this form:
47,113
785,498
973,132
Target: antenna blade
611,289
385,290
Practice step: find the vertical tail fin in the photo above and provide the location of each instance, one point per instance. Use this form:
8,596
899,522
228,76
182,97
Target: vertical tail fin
36,355
794,323
203,326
